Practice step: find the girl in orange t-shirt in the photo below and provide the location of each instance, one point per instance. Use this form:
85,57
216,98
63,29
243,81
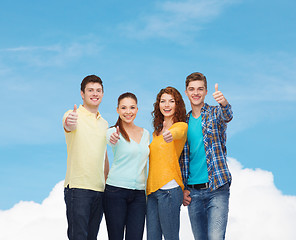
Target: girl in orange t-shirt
164,184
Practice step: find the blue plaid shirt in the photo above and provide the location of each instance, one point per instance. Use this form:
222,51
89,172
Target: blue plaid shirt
214,119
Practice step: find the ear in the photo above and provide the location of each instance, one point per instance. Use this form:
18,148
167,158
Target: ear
117,110
82,94
186,93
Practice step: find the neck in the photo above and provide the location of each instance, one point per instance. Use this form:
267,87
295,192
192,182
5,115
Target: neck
128,125
169,121
196,109
92,109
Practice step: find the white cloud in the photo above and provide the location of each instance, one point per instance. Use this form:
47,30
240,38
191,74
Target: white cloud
56,55
175,18
258,210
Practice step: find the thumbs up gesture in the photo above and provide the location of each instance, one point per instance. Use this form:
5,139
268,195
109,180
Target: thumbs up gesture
115,136
167,135
71,120
219,97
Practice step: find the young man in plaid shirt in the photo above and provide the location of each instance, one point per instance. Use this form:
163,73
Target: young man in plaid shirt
203,162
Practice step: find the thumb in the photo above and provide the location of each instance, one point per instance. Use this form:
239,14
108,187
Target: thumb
216,87
75,108
117,130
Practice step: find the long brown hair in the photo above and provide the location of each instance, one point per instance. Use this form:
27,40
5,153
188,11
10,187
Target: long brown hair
119,121
180,110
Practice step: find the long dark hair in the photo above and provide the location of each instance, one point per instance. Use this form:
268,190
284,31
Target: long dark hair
119,121
180,110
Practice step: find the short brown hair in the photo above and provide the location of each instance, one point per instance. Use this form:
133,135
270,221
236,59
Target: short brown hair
196,76
91,78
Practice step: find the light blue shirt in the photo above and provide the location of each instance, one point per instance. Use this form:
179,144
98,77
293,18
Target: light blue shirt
129,167
198,162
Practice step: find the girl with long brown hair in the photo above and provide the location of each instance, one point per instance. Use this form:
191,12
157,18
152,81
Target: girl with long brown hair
164,184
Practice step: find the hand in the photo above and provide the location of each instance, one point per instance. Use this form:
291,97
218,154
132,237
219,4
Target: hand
71,120
115,136
219,97
167,135
186,197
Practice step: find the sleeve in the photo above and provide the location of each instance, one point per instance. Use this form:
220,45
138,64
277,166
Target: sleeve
109,133
225,113
179,130
184,164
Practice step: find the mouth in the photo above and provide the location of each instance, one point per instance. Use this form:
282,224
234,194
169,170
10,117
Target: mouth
128,116
196,97
167,110
94,99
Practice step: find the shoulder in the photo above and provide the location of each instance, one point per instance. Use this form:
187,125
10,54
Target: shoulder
111,130
145,131
179,125
208,109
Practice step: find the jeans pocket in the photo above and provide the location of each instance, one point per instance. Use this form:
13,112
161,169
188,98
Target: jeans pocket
112,189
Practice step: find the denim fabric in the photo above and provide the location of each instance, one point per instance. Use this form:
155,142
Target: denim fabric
124,209
84,213
163,214
208,213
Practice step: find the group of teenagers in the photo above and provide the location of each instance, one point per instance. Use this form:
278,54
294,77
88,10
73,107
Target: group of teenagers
186,160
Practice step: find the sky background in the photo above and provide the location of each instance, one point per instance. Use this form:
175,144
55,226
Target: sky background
46,49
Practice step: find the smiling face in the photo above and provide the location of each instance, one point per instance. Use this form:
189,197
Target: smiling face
92,96
127,110
196,93
167,105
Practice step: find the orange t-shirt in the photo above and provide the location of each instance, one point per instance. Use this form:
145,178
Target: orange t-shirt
164,158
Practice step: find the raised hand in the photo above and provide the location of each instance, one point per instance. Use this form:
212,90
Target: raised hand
115,136
167,135
71,120
219,97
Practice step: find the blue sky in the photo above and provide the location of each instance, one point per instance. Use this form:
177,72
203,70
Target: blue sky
46,49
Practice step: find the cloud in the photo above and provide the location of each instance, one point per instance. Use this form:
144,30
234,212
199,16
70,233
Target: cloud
175,18
258,210
56,55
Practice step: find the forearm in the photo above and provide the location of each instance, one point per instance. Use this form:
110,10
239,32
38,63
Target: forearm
106,168
226,113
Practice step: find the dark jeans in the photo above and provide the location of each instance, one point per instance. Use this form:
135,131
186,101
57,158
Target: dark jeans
84,213
124,209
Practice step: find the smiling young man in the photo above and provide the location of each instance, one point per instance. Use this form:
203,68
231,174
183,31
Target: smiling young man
203,162
87,162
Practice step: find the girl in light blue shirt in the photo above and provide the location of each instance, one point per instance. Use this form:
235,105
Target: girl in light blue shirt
124,198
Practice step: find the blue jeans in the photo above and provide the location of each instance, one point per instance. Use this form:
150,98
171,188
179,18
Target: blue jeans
163,214
124,209
84,213
208,213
